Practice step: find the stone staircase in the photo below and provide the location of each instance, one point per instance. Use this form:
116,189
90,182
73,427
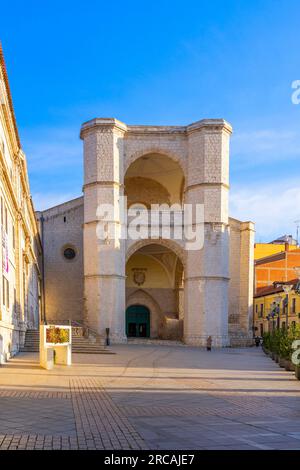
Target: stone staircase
32,341
80,344
241,341
155,342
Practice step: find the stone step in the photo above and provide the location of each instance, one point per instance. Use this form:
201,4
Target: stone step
92,351
74,343
75,351
81,338
153,341
80,344
24,349
82,348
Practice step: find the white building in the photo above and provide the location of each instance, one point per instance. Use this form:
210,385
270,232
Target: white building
20,282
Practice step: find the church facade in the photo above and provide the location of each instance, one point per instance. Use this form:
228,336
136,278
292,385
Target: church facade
158,284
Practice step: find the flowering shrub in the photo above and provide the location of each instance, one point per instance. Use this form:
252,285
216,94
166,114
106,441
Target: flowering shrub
57,335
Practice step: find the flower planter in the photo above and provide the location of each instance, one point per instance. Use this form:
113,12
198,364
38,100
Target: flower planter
297,372
282,362
289,366
55,345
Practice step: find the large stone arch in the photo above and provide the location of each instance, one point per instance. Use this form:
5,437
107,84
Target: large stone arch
140,297
171,244
157,150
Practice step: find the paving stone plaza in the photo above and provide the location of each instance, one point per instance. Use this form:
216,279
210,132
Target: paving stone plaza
150,397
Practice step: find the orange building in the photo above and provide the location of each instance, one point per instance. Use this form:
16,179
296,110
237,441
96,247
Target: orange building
278,267
261,250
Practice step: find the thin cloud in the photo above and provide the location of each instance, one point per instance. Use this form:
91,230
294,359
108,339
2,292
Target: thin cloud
43,201
273,207
265,146
51,149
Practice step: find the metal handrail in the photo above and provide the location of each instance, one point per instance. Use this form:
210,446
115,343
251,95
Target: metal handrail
86,329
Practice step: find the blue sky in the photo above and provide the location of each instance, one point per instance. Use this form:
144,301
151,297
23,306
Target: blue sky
161,62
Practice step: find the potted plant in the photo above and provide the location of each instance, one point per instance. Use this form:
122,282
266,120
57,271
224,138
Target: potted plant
294,334
284,348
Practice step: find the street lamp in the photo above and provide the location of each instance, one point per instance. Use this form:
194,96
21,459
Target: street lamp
275,309
269,316
287,289
278,302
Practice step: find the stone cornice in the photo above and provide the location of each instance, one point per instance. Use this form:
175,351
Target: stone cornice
207,278
156,130
248,226
105,276
9,98
109,123
208,184
213,125
102,183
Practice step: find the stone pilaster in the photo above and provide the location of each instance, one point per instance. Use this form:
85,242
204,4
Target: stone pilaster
104,259
207,271
246,277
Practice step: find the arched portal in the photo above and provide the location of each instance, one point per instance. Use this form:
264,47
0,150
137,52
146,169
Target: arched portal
154,280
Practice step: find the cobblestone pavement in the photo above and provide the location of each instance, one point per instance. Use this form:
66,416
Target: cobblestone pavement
150,397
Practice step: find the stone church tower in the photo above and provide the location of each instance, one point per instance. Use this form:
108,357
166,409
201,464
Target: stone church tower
189,294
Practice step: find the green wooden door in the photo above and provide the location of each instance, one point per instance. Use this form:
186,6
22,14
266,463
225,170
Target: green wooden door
138,321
